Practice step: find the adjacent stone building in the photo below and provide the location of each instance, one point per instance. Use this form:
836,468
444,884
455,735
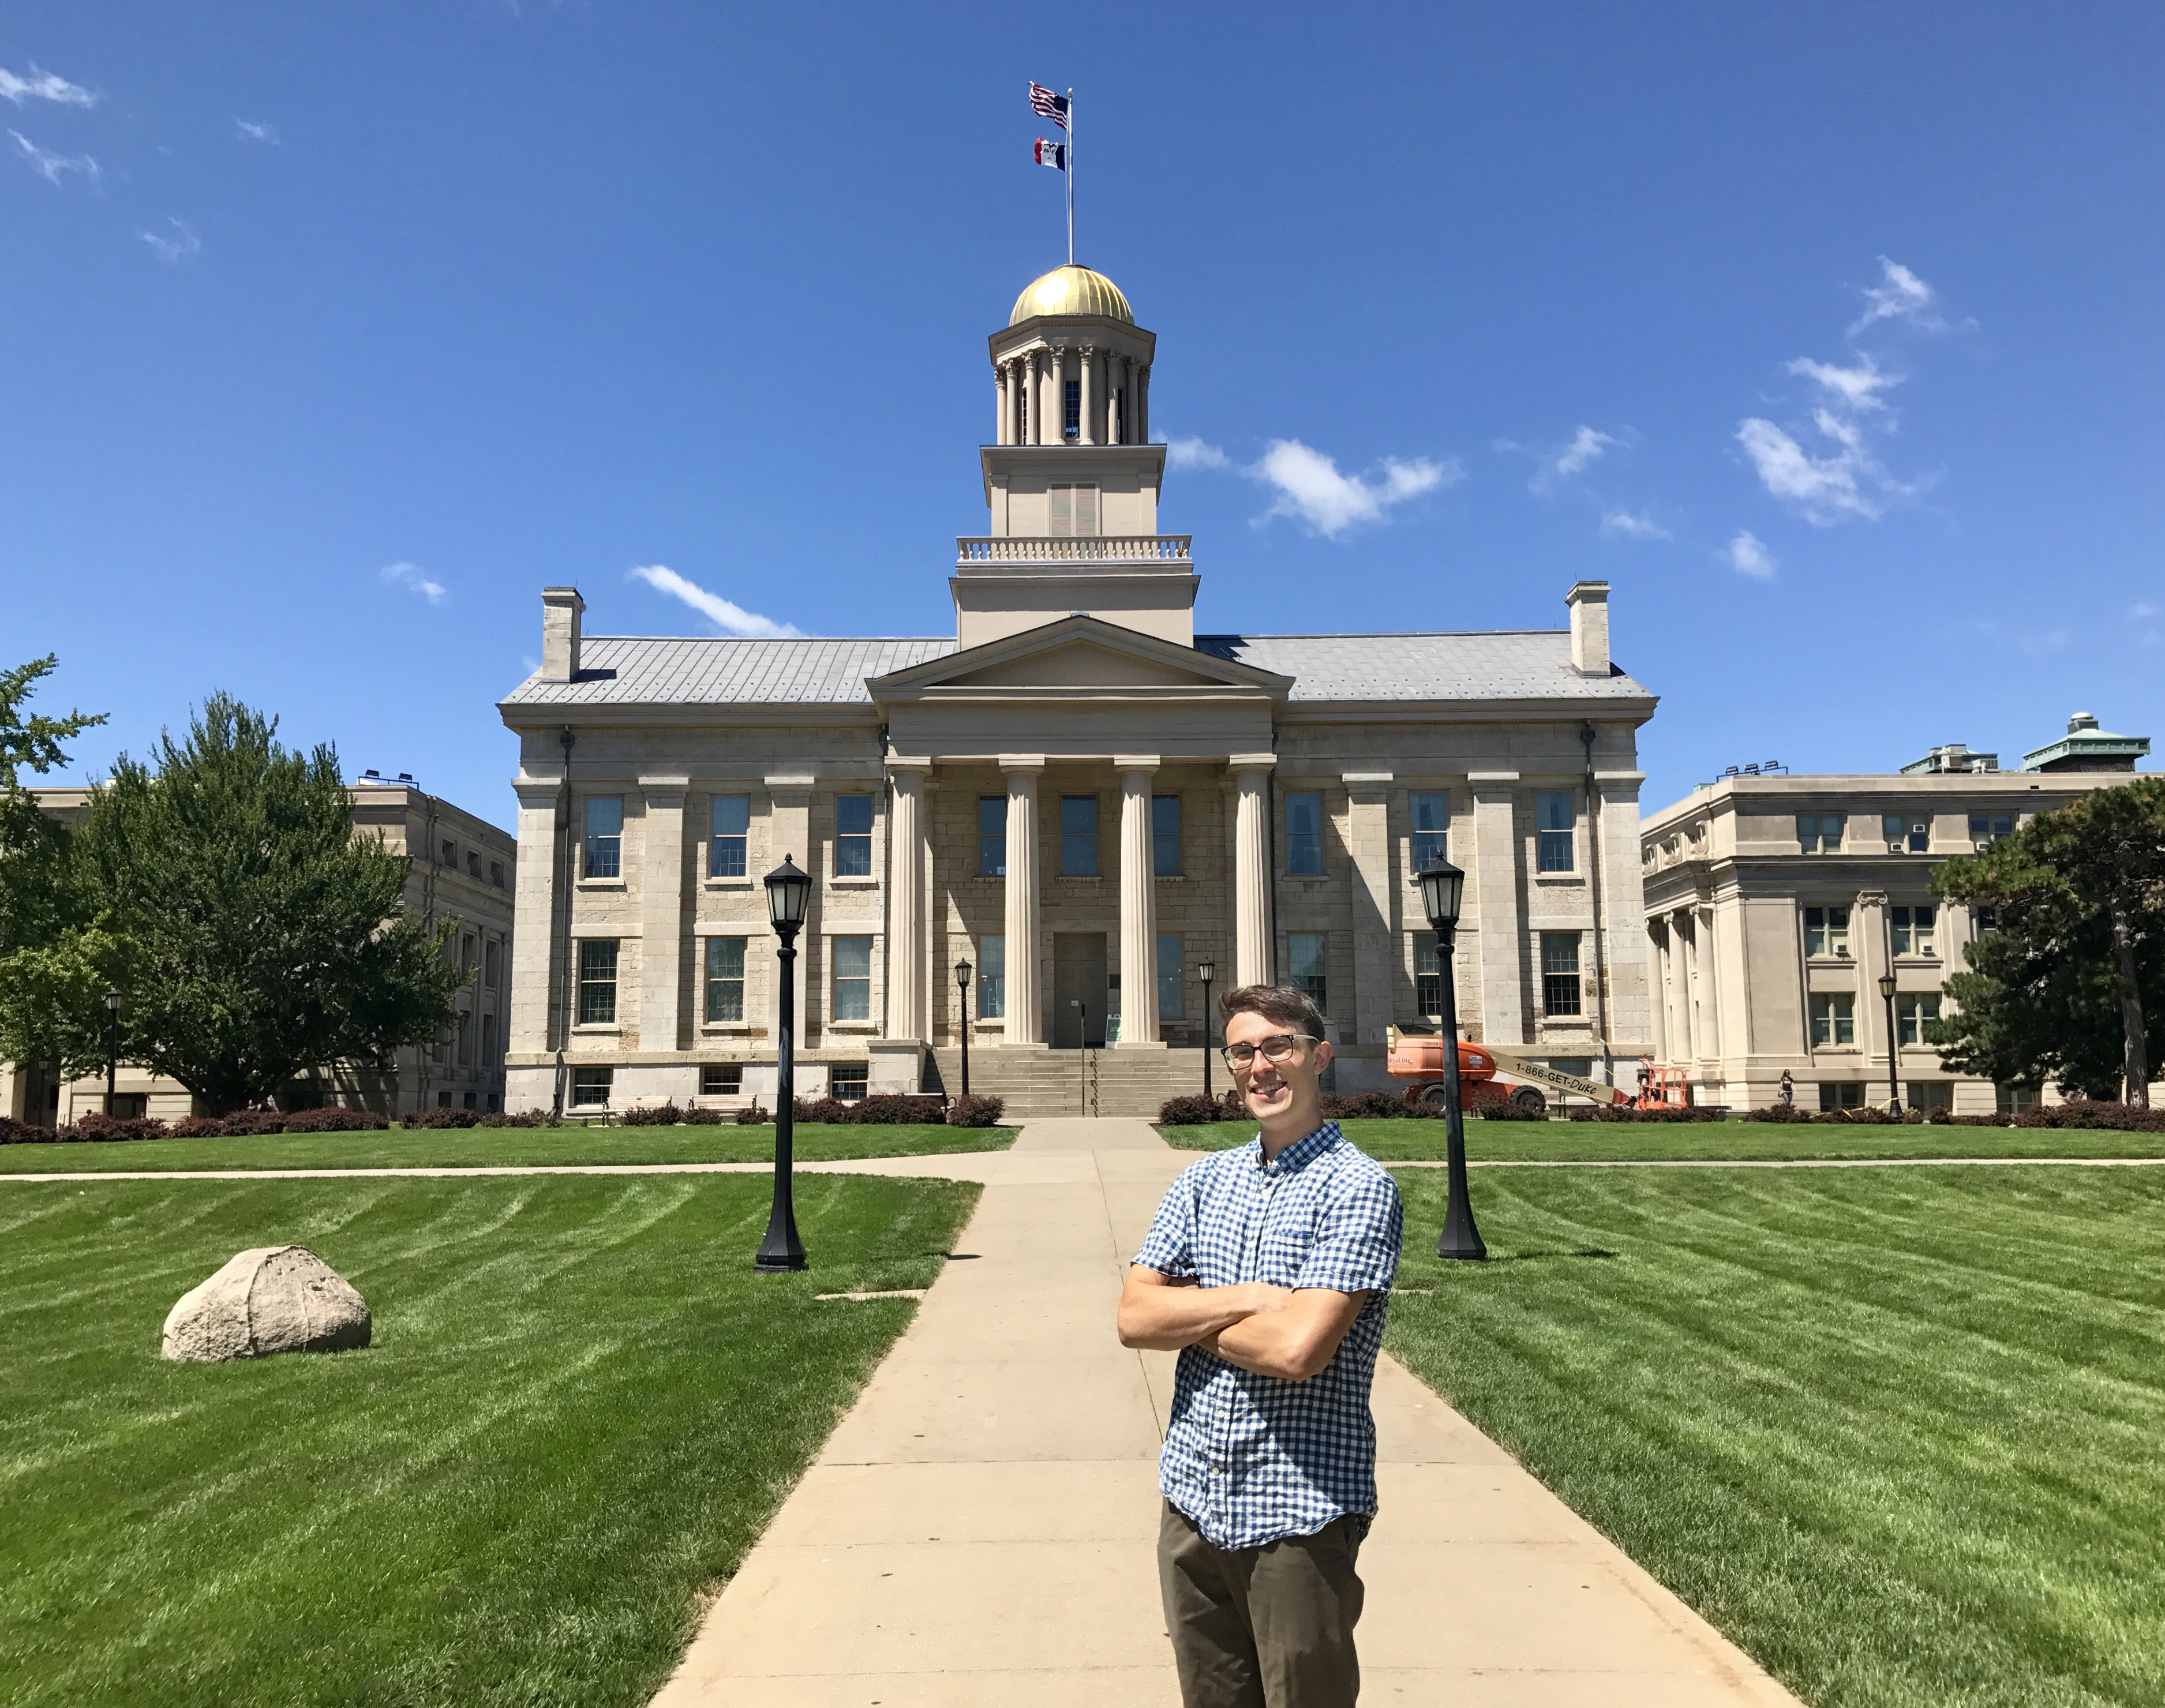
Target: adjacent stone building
463,868
1775,902
1075,793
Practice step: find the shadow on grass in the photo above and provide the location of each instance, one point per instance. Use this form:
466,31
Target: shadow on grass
1541,1256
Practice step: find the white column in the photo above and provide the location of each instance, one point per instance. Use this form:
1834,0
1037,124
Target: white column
999,402
1025,1009
1498,860
1089,426
1142,403
662,914
908,941
1138,904
1252,869
789,832
1658,964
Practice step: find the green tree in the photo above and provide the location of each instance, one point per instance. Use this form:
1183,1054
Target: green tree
41,908
2062,989
255,934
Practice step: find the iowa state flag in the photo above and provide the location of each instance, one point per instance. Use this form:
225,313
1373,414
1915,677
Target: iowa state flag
1051,154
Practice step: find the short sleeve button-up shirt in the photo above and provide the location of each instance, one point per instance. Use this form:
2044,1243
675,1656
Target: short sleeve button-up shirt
1253,1458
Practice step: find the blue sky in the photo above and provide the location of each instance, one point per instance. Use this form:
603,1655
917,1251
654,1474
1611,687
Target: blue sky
1828,334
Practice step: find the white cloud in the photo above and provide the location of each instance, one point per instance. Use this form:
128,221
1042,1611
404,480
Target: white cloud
1856,389
1587,445
182,244
1748,556
1310,486
1642,526
50,166
43,85
1194,453
1825,489
2142,610
729,619
251,131
1900,295
413,576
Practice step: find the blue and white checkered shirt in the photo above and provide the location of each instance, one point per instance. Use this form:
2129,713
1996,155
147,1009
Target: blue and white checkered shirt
1252,1458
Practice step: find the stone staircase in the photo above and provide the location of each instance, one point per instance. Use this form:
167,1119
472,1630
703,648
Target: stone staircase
1053,1084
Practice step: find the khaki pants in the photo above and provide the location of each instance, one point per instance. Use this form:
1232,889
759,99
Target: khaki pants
1263,1627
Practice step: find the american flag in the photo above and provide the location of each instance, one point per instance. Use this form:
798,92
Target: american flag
1047,105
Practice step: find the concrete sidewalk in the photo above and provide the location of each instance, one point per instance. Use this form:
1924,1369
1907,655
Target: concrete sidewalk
980,1528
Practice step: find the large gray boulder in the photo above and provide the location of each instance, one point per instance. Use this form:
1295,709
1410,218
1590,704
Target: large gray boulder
273,1298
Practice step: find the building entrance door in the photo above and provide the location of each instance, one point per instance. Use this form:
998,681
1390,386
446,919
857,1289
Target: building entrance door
1078,975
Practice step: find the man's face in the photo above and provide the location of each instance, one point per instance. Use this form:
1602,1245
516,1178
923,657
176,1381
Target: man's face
1274,1088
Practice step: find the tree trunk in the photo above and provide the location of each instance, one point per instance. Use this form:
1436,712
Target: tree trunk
2137,1064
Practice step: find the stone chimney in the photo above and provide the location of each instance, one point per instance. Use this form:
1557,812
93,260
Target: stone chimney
562,608
1589,627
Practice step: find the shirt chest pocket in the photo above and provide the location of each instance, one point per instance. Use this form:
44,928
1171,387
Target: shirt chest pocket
1282,1246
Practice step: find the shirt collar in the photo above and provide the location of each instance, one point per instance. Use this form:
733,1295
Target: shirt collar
1300,1153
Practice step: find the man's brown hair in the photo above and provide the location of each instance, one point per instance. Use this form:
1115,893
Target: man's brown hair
1290,1007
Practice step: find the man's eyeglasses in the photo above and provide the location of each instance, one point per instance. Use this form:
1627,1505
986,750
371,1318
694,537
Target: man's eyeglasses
1279,1046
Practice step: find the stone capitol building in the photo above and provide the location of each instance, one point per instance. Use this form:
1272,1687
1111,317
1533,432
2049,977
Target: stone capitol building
1074,791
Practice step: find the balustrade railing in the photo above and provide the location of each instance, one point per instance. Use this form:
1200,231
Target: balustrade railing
1072,548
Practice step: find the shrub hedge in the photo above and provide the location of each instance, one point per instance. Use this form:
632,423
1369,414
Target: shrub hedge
975,1111
437,1119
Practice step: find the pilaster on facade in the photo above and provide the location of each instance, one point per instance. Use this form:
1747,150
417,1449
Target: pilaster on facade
1375,897
1252,924
789,807
909,935
1497,865
1025,1002
1139,1018
660,1021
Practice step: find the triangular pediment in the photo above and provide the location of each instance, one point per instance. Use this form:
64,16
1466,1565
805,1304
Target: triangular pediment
1083,655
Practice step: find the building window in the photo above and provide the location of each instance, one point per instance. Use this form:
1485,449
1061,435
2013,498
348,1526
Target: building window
488,1040
2013,1099
465,1039
597,982
467,951
1559,990
1912,1013
1171,999
1078,835
722,1079
473,865
730,822
1307,956
992,978
847,1081
1072,510
853,835
1915,929
1987,828
853,978
1428,976
992,835
492,964
1431,824
449,854
1903,834
1819,833
1929,1093
1553,825
1826,932
1984,919
1164,835
495,873
1071,409
605,839
1834,1018
469,1100
590,1087
1303,835
725,980
493,1102
1843,1094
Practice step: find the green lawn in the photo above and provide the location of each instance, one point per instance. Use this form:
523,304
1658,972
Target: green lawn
469,1147
580,1409
1900,1433
1729,1141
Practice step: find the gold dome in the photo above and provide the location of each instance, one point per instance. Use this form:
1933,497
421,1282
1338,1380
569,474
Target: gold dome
1071,290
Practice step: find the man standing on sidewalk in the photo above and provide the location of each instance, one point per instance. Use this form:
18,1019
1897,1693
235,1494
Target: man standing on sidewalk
1269,1268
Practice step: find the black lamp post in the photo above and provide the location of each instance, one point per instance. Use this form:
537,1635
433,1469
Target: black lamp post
788,890
112,1044
962,985
1894,1048
1206,969
1442,886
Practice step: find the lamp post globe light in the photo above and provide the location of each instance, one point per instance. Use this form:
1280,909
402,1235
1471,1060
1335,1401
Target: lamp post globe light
788,892
962,985
112,1043
1206,969
1442,887
1894,1048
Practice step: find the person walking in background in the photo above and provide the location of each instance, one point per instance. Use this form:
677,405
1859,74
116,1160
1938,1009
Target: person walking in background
1269,1269
1788,1089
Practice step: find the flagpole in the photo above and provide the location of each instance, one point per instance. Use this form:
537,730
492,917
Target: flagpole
1071,178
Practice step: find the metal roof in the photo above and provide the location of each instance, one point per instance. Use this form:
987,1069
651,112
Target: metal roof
631,670
1507,665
